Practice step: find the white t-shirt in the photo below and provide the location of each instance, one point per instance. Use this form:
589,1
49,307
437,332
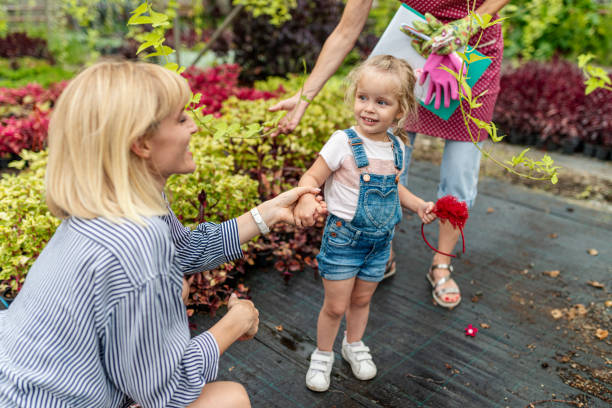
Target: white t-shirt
342,187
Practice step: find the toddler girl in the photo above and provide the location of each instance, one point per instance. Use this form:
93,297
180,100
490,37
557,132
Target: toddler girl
360,167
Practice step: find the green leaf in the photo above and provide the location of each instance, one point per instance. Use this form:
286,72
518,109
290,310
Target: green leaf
554,179
144,46
473,57
158,19
591,86
494,135
137,20
547,160
583,59
141,9
172,66
195,98
450,71
207,119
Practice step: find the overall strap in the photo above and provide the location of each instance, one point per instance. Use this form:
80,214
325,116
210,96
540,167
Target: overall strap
356,144
398,157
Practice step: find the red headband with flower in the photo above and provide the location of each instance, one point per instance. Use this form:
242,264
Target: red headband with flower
448,208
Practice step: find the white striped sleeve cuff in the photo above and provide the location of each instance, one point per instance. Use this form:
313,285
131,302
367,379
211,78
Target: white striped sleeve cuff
231,240
210,355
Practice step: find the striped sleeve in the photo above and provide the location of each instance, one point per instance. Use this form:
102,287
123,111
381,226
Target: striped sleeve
149,354
206,247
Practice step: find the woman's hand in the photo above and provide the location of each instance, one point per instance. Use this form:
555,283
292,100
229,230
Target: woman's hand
280,208
296,108
245,310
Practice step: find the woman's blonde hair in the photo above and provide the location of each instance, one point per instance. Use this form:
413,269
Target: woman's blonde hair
92,171
405,92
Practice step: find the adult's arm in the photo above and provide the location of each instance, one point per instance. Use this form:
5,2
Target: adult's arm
210,245
339,43
491,6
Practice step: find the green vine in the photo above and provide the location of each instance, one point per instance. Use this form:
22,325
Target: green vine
217,128
521,165
596,77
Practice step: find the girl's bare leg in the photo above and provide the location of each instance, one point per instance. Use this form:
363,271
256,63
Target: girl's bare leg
337,298
359,309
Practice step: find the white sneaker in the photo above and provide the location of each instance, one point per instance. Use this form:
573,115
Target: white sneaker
358,356
317,377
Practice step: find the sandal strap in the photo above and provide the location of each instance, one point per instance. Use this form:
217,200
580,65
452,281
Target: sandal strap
442,266
442,281
447,291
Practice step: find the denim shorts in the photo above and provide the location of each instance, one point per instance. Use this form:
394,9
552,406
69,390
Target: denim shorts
347,252
458,171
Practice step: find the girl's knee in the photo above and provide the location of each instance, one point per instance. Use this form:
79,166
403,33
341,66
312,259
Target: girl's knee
334,310
361,300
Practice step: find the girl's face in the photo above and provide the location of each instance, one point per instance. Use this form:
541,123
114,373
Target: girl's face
168,148
376,104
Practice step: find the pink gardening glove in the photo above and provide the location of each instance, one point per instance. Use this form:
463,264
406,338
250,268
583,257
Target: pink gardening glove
440,81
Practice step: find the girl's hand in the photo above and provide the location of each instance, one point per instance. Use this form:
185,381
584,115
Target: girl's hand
424,212
280,208
245,311
308,209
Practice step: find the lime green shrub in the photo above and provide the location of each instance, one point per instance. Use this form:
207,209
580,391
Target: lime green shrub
25,222
235,174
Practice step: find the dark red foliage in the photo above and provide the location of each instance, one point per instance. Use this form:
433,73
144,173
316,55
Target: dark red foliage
547,99
219,83
263,49
18,44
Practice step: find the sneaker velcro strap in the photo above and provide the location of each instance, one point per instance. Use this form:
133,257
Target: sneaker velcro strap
318,366
360,349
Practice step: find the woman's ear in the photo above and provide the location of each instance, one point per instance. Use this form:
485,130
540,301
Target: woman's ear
141,148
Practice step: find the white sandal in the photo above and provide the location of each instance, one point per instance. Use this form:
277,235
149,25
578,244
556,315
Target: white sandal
438,293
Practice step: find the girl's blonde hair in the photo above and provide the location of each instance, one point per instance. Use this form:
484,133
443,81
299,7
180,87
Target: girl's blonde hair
92,171
405,92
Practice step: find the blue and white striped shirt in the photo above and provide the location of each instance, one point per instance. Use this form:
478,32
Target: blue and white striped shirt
100,317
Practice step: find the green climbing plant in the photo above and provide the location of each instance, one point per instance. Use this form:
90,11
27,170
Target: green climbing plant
595,77
520,165
218,128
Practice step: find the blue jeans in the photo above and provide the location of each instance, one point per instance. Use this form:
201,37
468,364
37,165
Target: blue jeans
458,171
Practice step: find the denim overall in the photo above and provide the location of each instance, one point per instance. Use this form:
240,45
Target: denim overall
361,247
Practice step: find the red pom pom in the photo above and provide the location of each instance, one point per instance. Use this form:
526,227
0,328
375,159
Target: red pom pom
454,211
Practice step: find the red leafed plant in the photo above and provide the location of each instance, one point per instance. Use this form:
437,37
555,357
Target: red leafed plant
548,99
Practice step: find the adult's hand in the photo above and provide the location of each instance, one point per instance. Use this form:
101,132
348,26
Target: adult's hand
277,209
296,107
247,309
239,323
280,208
